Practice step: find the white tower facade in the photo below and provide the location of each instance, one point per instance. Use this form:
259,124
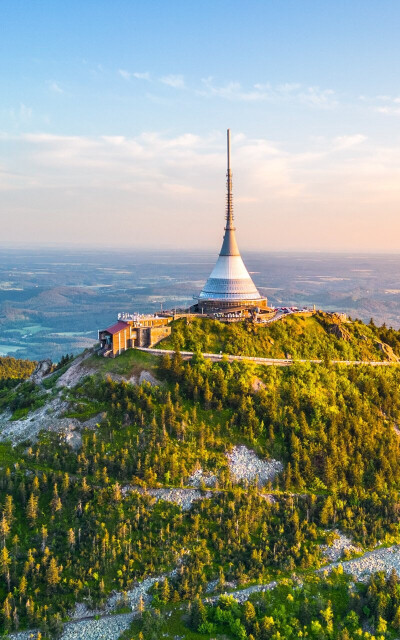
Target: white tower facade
229,285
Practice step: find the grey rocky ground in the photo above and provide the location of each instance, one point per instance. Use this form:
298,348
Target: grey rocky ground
75,372
384,559
144,376
341,543
50,417
199,476
244,464
243,594
46,417
106,628
184,498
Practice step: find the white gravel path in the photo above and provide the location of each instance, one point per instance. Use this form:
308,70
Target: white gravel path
244,464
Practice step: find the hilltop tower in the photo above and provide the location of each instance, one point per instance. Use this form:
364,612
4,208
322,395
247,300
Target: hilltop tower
229,287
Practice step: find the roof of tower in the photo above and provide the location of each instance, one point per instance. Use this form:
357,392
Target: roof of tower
229,280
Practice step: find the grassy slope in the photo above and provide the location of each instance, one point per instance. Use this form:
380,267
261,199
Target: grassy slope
297,336
130,363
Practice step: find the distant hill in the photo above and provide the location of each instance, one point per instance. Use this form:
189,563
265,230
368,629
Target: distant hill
322,335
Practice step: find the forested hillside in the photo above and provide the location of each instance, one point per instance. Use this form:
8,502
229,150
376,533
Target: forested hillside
13,369
81,519
12,372
296,336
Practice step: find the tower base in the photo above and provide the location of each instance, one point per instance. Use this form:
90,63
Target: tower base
231,306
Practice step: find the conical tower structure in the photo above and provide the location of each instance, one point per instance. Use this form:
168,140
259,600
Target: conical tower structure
229,285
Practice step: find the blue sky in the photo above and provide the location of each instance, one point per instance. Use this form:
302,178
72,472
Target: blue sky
119,110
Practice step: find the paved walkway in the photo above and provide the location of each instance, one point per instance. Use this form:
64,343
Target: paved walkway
280,362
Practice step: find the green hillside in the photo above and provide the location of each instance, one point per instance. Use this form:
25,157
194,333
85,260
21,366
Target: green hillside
296,336
80,522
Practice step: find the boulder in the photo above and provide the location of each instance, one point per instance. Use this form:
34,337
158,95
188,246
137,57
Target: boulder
43,368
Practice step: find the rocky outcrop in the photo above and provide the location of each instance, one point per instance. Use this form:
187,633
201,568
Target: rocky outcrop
75,372
43,368
257,384
387,351
339,331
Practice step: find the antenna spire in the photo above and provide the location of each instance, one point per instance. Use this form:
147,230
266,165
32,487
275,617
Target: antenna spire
229,201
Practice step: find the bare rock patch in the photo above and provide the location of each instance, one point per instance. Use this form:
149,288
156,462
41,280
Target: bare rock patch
385,559
340,544
184,498
244,464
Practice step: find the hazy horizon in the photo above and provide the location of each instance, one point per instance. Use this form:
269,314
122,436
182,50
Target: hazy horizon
170,249
53,301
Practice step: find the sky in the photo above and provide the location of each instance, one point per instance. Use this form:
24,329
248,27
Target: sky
113,119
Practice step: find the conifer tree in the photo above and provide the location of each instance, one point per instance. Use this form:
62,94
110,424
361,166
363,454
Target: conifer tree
32,509
71,538
198,613
165,592
5,562
9,508
56,504
4,529
53,574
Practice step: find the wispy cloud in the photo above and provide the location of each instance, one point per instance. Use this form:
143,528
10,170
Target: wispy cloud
388,110
347,142
386,104
230,91
265,92
175,81
55,87
127,75
141,75
22,114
